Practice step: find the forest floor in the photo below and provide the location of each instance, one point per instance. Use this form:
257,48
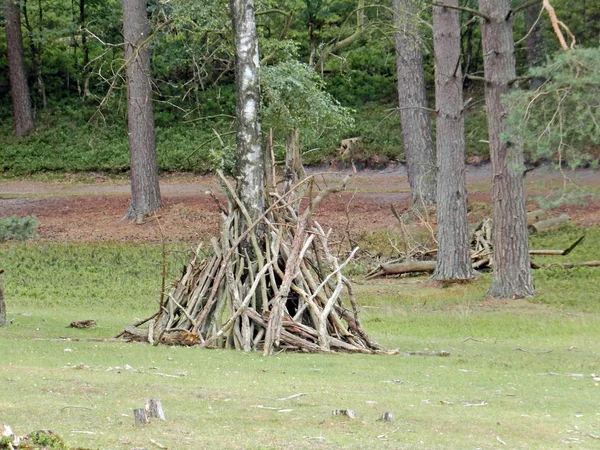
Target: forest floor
89,207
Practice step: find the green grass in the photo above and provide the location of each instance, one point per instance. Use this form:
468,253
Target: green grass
528,364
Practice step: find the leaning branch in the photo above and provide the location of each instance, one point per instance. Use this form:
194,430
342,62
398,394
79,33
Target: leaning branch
472,11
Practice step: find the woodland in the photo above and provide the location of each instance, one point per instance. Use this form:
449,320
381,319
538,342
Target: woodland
255,92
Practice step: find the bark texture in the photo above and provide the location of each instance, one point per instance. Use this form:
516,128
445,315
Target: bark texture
534,42
250,157
145,190
454,256
512,276
22,111
416,124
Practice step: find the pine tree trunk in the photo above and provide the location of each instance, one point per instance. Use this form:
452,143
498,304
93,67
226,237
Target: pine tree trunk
85,70
416,124
145,191
534,42
250,158
454,257
512,276
22,111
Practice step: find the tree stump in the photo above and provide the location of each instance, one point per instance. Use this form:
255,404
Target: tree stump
154,409
140,416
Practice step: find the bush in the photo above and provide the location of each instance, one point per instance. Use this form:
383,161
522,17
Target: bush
18,229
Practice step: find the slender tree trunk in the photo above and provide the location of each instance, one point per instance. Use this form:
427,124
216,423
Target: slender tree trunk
512,276
250,157
416,124
454,256
21,100
145,191
85,70
535,42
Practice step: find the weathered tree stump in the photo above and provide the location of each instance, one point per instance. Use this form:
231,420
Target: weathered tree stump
154,409
141,417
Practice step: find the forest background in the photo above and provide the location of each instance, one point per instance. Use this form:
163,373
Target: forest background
75,66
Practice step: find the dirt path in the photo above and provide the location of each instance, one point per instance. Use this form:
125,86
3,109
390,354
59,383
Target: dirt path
89,208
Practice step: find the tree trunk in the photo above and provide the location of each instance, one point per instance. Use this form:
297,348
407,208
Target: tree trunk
250,158
145,191
454,256
85,70
22,112
534,42
512,276
416,124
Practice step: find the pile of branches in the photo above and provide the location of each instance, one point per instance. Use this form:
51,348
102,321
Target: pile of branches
482,253
269,286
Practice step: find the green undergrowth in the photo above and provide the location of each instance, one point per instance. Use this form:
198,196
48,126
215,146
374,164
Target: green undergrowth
68,141
519,372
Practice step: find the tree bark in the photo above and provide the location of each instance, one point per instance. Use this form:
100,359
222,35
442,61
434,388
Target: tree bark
534,43
454,257
250,157
85,70
512,276
145,190
21,100
415,121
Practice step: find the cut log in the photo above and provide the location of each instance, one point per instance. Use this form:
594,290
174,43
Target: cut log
141,418
154,409
405,267
536,216
550,224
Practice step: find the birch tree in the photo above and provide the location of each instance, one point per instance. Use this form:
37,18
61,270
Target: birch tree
250,155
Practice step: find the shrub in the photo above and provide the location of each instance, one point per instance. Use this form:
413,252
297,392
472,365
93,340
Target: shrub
18,229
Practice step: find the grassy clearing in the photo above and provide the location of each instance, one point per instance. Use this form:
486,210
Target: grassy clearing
519,371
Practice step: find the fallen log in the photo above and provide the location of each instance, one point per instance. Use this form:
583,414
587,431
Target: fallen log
558,252
402,268
550,224
571,265
536,216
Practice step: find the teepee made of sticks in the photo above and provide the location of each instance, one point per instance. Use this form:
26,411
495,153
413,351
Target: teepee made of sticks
271,286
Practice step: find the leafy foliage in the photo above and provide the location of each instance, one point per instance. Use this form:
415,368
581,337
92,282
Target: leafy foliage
560,121
294,98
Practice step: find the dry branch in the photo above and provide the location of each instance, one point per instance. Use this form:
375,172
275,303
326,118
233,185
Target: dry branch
481,251
287,295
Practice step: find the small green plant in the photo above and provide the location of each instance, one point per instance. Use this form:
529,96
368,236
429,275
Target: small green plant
17,228
5,442
46,439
